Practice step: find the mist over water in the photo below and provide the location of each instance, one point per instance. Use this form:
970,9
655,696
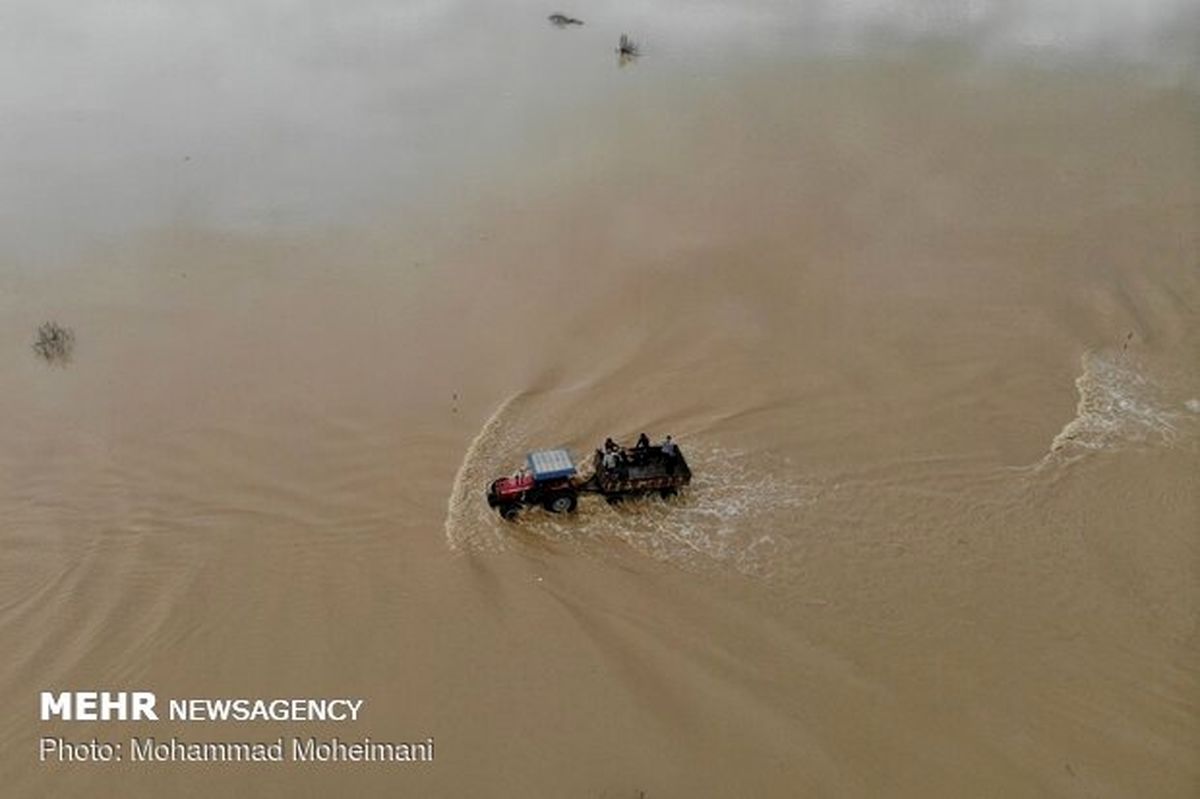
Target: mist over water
123,118
914,286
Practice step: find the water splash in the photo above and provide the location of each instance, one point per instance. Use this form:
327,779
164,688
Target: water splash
730,516
735,513
470,523
525,421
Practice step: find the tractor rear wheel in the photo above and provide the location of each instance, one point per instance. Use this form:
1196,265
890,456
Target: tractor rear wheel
563,503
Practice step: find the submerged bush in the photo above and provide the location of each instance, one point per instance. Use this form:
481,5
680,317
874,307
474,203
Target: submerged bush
627,49
54,343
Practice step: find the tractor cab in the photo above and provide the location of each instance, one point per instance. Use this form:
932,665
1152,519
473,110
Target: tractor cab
549,465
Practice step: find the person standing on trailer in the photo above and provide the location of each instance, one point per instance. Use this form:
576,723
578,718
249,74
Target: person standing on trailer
671,454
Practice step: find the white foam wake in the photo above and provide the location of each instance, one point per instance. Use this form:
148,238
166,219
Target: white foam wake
1118,406
732,515
470,523
737,513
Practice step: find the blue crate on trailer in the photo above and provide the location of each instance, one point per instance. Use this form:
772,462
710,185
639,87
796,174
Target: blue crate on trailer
551,464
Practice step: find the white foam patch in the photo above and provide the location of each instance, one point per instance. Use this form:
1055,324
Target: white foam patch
1118,406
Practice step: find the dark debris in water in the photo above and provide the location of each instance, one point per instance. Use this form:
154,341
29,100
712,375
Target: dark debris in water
627,49
54,343
563,21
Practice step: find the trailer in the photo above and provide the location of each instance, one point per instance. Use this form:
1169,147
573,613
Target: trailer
550,479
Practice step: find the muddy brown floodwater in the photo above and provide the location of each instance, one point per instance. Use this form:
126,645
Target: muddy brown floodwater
916,293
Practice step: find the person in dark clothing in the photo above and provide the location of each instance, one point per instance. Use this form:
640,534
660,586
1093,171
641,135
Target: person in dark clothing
610,445
621,462
671,454
641,451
